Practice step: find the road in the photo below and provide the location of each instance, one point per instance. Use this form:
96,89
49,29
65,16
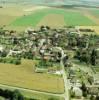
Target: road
66,85
66,93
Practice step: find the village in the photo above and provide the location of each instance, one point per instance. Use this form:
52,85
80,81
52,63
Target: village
70,46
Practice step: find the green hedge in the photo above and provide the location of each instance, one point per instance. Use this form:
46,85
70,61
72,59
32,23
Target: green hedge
15,61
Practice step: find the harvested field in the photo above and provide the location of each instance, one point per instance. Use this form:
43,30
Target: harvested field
25,77
96,28
53,20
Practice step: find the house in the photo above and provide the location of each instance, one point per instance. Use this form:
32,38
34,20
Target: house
48,56
1,48
57,51
29,30
77,91
97,52
93,90
11,52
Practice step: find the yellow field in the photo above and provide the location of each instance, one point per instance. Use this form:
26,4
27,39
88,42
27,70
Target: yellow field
52,20
8,14
24,76
96,28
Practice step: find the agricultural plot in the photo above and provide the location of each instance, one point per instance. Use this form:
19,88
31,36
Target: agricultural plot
24,76
96,28
69,17
92,14
95,12
8,14
56,20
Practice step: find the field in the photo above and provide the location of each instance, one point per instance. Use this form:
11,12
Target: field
95,12
21,17
56,20
96,28
34,95
25,77
8,14
69,17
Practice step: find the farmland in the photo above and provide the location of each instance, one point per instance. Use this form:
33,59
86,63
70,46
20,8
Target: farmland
25,77
96,28
95,12
56,20
47,56
70,18
21,17
7,14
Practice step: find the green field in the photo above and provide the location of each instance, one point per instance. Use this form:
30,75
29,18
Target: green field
95,12
70,18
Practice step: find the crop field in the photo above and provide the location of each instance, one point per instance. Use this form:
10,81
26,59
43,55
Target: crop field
92,14
69,17
21,17
95,12
56,20
8,14
24,76
96,28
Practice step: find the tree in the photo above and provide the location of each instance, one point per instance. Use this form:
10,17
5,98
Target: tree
83,56
48,28
3,54
1,92
7,93
52,98
84,89
93,57
97,97
17,95
90,79
92,97
72,42
42,28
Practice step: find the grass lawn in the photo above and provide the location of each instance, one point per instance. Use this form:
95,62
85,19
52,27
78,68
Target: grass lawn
1,98
24,76
40,96
70,18
96,68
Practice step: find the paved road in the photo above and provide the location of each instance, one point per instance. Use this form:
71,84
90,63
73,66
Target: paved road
66,94
66,85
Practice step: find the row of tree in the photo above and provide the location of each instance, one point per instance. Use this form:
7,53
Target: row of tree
87,56
11,95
